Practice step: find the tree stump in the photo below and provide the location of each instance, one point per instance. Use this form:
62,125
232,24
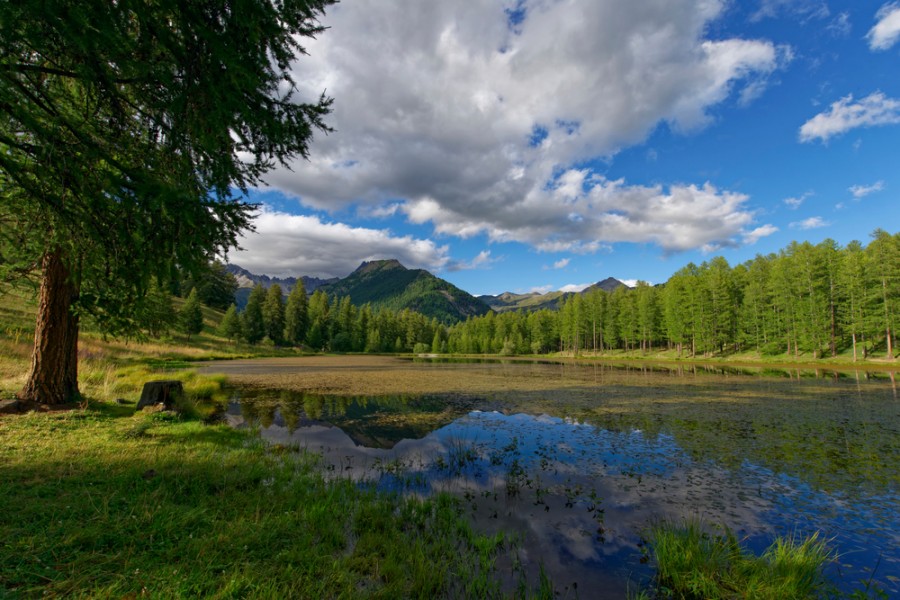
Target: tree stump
160,392
9,406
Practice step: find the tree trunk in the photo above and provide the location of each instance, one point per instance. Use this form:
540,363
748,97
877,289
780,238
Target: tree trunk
53,378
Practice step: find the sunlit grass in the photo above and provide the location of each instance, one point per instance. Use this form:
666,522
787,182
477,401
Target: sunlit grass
693,564
100,503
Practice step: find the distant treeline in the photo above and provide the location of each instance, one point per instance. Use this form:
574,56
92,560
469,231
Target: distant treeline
811,300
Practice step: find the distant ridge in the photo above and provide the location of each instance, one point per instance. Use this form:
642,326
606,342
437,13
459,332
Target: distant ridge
534,301
246,280
388,284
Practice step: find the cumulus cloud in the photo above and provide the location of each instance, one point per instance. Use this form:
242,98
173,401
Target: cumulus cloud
861,191
289,245
886,31
459,118
757,234
845,114
677,219
810,223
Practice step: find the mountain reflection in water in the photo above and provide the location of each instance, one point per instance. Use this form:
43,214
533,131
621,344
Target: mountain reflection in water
582,486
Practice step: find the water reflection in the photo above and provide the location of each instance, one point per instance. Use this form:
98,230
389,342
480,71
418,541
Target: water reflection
581,478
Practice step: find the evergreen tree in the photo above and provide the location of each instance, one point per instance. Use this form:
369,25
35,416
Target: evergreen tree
436,342
853,276
230,327
126,126
191,316
296,315
319,320
884,258
273,314
215,286
155,312
252,318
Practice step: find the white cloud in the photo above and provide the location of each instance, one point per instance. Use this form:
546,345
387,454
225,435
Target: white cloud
845,114
810,223
840,26
886,31
483,260
794,202
562,263
474,125
754,236
861,191
629,282
575,287
677,219
290,245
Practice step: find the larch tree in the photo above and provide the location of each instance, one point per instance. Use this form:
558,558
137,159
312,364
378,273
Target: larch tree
230,326
296,315
252,318
191,315
125,130
273,314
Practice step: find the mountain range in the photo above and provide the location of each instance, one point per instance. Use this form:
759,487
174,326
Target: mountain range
388,284
536,301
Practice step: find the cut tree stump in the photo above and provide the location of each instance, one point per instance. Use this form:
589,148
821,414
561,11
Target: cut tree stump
160,392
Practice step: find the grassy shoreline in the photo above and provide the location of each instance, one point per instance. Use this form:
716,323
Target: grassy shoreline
100,503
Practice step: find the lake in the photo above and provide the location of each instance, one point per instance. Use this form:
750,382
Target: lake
578,460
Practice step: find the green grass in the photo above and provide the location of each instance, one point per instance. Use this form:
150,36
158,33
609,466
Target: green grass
694,564
102,503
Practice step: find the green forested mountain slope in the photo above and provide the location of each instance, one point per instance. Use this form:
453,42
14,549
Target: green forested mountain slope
388,284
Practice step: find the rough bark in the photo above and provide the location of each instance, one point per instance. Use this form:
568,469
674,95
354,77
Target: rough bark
53,377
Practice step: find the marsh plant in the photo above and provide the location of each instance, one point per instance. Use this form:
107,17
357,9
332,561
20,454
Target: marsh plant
693,563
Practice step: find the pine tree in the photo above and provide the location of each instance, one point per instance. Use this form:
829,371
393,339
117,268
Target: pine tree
191,316
155,312
296,315
252,317
230,327
273,314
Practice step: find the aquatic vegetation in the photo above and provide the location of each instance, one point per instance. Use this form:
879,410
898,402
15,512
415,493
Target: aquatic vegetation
693,563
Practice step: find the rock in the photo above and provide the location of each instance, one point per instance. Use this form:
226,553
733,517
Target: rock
9,406
160,392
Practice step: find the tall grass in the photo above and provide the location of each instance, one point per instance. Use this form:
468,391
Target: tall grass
693,564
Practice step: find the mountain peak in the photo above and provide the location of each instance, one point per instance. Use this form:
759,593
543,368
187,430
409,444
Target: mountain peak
609,284
373,266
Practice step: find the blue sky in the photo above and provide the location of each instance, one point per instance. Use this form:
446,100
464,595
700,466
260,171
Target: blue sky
539,145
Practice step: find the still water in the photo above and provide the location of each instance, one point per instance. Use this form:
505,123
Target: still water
577,472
